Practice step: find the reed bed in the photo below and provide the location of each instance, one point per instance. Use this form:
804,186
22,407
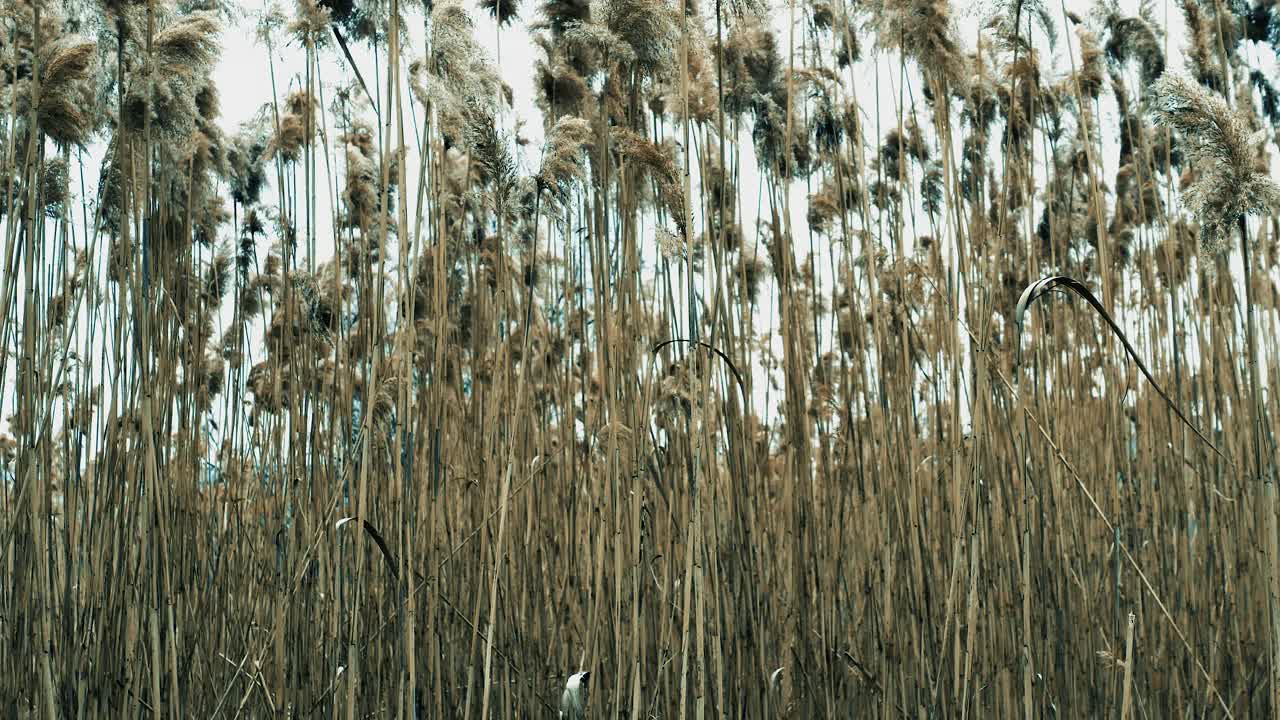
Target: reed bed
721,392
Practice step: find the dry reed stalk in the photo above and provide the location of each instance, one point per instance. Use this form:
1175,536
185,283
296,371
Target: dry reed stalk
1128,670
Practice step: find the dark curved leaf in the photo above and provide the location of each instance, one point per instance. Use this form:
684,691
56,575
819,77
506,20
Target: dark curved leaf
736,375
1035,290
377,538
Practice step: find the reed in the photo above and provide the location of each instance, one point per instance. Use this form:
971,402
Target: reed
732,379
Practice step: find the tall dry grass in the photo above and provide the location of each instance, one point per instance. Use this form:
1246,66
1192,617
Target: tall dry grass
523,422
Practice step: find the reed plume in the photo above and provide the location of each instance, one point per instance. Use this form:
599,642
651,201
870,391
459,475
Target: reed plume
1228,183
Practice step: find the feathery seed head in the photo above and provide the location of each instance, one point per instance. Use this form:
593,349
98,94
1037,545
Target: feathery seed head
502,11
1228,183
564,161
311,21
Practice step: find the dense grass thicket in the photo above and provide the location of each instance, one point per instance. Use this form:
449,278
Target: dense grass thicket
366,408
